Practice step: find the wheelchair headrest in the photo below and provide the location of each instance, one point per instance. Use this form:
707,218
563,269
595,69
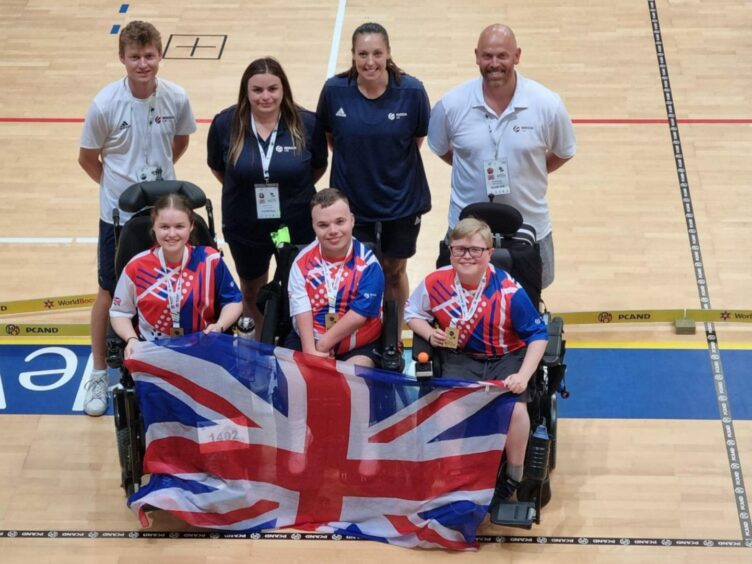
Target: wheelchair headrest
144,194
501,218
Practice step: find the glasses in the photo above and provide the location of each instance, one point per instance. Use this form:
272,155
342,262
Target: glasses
459,252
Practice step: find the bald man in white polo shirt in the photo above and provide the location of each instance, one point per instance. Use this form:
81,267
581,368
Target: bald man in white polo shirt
503,134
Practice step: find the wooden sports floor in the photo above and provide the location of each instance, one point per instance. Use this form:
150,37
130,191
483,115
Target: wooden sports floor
621,212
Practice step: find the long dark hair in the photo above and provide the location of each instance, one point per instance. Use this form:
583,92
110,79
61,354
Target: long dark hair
242,117
391,66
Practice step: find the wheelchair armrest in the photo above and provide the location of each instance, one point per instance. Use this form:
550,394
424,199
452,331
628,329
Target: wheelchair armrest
391,354
270,303
115,348
555,346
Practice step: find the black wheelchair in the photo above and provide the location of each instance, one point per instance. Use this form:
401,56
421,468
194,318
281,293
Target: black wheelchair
132,238
273,302
516,251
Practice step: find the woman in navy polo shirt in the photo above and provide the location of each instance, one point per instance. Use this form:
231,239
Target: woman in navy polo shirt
268,153
376,117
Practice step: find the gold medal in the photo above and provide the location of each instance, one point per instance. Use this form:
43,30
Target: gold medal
176,331
452,337
330,320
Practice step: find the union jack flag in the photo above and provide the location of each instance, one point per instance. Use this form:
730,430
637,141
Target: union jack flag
245,437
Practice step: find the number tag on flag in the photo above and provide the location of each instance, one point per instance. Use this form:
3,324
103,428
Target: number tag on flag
222,435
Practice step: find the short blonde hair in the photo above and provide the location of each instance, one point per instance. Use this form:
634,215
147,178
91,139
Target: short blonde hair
471,226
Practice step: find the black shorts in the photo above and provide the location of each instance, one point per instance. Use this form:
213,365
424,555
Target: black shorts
460,366
251,259
106,257
293,342
253,255
398,237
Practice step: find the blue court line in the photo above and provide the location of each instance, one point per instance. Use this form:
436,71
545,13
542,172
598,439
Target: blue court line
653,384
123,8
115,29
604,383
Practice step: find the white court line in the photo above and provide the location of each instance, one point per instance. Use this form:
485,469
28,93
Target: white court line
41,240
336,36
57,241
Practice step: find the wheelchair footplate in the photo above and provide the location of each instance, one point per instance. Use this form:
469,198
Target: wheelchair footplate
519,514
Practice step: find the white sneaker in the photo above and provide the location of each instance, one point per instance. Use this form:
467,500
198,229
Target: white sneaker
95,401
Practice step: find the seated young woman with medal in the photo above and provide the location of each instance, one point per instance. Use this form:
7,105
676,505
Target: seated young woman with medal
174,288
485,328
336,288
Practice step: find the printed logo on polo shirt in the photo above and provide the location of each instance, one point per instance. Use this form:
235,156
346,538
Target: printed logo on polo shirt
124,125
392,116
160,119
285,149
518,128
341,112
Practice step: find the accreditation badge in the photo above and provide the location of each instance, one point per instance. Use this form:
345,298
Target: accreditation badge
150,173
267,201
330,320
497,177
452,337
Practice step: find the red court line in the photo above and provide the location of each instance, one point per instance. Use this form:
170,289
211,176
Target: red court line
586,121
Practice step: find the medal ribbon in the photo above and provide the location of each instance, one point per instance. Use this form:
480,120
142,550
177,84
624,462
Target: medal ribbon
173,291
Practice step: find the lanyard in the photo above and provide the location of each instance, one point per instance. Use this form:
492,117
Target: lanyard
266,157
496,141
150,117
467,313
173,291
332,286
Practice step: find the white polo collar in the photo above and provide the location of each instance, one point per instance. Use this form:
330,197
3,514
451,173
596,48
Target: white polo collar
520,99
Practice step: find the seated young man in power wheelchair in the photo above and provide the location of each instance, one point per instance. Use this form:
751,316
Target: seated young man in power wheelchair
334,288
177,286
484,326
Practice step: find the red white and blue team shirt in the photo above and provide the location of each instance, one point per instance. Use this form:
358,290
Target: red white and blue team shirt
206,287
361,289
504,319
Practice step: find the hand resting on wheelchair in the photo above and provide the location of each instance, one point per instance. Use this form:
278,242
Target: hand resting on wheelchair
173,288
484,327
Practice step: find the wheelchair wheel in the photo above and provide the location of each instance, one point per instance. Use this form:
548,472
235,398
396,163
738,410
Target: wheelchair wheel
553,423
124,454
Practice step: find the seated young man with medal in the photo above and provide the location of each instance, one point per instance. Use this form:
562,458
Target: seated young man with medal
336,288
174,287
485,328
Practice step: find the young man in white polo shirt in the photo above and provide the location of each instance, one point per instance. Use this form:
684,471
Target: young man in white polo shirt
503,134
135,130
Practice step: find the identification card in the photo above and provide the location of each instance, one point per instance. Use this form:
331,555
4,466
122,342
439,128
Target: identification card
497,177
330,320
176,331
267,201
452,337
150,173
